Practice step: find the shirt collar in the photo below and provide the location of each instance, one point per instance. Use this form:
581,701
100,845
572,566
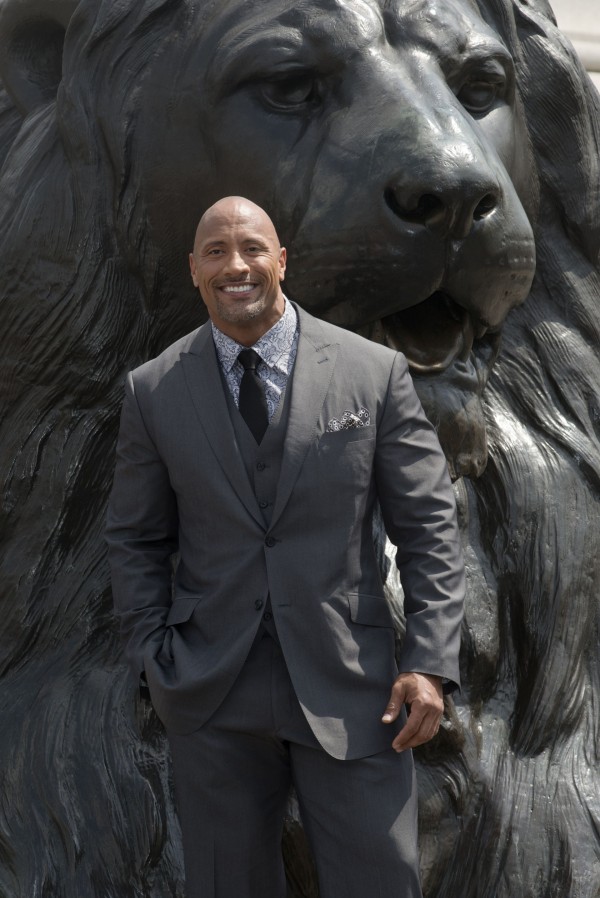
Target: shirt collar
273,347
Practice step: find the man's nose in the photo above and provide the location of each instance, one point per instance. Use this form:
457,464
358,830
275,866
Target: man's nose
235,263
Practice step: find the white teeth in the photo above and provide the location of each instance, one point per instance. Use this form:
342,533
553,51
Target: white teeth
242,288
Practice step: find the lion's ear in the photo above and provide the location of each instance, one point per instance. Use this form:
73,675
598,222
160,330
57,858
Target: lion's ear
32,34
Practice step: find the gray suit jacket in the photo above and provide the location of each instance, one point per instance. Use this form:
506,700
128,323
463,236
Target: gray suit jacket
180,486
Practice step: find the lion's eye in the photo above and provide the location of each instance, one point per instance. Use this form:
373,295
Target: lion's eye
478,95
291,92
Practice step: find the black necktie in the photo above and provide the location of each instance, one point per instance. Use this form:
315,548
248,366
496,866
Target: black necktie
253,402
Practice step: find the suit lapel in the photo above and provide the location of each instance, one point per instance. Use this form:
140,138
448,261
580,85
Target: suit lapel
201,370
312,374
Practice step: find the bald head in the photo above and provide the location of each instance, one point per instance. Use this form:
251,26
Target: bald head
231,210
238,265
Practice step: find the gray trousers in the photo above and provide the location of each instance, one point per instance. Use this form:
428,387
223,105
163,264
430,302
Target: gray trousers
232,780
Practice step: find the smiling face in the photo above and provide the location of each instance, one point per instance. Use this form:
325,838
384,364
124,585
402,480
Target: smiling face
238,265
386,139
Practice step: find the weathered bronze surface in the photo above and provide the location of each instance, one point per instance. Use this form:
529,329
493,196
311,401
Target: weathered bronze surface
418,157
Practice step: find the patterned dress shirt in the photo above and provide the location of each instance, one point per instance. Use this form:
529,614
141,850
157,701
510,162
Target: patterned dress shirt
277,350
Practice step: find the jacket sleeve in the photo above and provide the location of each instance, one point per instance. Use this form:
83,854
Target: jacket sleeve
142,534
419,513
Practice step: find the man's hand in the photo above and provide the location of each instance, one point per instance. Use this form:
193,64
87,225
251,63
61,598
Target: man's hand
422,694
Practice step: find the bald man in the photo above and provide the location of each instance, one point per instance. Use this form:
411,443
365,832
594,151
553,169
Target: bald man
257,448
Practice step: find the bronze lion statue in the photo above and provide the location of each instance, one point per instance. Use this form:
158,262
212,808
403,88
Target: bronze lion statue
433,168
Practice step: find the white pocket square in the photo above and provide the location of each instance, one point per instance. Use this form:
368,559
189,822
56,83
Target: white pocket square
349,420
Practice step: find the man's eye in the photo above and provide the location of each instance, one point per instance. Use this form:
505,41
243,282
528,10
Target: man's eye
478,95
291,93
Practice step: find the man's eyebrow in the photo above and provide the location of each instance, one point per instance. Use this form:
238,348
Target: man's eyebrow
211,242
260,241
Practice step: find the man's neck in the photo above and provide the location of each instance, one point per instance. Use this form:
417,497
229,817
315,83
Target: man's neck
247,333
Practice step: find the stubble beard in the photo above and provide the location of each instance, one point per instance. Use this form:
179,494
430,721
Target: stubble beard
237,313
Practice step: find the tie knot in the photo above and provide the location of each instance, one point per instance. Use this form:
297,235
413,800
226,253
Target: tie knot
249,359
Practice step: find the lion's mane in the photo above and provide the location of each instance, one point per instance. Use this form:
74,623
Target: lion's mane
510,795
524,783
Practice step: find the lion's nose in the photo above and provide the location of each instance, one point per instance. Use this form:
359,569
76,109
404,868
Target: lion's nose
448,211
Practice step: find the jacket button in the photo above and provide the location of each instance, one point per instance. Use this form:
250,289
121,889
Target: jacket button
263,504
258,604
260,466
270,541
267,615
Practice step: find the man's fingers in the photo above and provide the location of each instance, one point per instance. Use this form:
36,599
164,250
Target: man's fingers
407,735
417,730
391,712
394,706
423,696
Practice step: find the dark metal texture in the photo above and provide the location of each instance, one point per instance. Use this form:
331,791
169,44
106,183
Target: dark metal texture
417,157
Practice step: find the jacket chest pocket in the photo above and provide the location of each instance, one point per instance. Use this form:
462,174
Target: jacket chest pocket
346,454
337,440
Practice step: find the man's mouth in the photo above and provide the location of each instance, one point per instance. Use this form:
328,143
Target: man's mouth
438,333
238,289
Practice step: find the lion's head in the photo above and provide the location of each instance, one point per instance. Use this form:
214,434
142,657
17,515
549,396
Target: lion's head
408,152
388,142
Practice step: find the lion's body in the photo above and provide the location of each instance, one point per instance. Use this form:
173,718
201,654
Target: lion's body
510,796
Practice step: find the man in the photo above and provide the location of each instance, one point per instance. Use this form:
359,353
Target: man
269,652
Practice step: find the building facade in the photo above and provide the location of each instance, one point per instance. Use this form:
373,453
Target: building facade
580,21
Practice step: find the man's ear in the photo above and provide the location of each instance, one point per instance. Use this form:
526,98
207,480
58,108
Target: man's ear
193,269
32,34
282,262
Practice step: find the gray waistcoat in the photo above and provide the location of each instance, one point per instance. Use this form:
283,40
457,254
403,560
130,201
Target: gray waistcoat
263,464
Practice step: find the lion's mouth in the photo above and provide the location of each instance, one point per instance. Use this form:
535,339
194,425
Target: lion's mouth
437,333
